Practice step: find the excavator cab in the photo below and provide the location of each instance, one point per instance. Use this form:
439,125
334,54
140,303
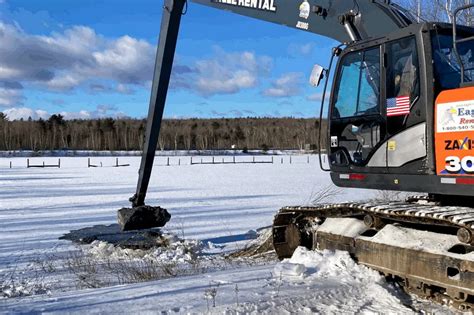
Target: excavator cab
382,115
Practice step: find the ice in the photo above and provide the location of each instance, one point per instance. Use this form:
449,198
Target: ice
289,269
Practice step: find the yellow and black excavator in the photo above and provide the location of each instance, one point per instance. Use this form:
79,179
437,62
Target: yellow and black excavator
400,117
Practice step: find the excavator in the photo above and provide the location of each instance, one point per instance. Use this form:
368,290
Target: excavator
400,118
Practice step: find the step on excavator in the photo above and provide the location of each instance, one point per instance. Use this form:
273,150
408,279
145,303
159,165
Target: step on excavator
400,117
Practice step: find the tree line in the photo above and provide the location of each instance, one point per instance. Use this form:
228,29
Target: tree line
56,133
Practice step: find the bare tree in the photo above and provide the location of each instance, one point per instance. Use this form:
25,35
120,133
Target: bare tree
438,10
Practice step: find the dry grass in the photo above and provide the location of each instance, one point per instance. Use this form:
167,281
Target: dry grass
390,195
323,195
91,271
20,282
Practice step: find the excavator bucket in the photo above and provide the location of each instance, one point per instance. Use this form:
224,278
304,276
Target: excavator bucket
143,217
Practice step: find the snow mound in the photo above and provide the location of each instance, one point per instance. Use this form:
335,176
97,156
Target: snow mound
24,288
325,264
176,250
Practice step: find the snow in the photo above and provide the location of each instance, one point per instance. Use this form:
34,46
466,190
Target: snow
344,226
213,209
427,241
289,269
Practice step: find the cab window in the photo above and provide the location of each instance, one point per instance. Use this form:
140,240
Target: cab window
402,70
359,86
403,82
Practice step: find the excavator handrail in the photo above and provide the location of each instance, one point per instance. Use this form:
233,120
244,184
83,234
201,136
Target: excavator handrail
321,112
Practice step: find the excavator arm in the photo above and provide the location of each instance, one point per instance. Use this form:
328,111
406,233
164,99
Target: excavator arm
343,20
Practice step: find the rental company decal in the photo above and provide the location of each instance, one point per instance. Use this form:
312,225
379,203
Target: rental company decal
456,116
454,138
263,5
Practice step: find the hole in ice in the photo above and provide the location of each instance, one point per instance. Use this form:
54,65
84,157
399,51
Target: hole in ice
370,233
453,273
461,249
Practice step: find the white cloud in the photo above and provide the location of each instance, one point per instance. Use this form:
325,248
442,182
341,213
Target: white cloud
124,89
64,82
126,60
289,84
64,60
316,97
10,97
83,114
223,73
101,111
226,84
16,113
298,50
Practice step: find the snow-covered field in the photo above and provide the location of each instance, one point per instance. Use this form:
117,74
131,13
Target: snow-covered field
215,204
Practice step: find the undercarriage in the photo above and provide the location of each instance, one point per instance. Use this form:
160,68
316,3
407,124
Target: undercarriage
425,247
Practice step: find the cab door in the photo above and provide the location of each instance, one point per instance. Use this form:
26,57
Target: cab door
405,113
357,121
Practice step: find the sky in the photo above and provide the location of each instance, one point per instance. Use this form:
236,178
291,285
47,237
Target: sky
95,58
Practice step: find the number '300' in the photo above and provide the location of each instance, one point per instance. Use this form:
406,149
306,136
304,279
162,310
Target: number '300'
456,164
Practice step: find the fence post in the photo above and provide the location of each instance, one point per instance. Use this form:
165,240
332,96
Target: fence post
281,160
272,159
290,159
254,159
222,160
59,163
179,161
100,164
213,160
308,159
43,164
88,162
27,163
10,164
191,160
168,161
234,159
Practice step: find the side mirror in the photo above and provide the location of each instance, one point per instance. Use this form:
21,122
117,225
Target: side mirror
317,75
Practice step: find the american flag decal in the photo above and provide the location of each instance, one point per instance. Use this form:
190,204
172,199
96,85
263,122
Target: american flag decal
398,106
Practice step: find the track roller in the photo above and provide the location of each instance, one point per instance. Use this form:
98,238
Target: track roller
465,236
373,222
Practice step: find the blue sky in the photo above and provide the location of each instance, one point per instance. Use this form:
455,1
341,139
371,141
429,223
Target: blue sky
95,58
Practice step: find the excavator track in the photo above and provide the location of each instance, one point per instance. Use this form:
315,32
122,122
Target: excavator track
426,247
